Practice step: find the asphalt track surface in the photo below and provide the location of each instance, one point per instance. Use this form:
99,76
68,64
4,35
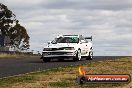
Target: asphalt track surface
12,66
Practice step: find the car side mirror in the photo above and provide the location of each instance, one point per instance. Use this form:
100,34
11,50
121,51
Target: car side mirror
49,42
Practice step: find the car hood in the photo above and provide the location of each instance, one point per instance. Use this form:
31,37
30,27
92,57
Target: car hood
58,45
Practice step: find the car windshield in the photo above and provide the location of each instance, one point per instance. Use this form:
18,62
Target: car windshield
66,40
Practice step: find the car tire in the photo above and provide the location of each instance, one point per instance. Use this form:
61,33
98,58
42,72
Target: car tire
46,60
61,60
41,57
90,56
78,56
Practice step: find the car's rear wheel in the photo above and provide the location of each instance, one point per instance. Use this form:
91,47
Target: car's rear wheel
78,56
90,56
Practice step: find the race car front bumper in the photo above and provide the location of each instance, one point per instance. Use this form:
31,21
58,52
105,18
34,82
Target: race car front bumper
58,54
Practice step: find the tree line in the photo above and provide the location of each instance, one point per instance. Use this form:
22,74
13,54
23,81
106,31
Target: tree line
10,28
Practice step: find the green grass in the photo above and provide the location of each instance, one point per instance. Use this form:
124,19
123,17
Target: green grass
60,84
73,84
11,80
8,56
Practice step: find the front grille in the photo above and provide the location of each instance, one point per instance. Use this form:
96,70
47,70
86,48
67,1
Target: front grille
53,49
61,48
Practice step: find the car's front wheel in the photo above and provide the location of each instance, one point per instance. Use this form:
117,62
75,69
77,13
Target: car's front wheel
78,56
46,60
90,56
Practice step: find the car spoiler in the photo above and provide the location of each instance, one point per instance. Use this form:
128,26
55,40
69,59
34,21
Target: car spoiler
89,38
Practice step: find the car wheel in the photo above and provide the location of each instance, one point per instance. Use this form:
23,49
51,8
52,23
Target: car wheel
46,60
60,60
41,57
78,56
90,56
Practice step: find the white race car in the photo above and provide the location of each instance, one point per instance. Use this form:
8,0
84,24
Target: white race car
65,46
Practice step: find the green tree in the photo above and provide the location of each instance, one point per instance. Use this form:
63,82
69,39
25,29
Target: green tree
9,26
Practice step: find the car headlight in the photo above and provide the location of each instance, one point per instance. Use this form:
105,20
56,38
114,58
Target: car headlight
69,48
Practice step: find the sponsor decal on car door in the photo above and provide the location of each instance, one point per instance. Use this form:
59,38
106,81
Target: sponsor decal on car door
83,47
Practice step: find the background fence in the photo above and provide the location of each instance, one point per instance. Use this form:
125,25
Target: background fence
5,50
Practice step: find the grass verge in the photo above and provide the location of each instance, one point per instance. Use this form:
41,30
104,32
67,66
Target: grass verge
9,56
66,77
